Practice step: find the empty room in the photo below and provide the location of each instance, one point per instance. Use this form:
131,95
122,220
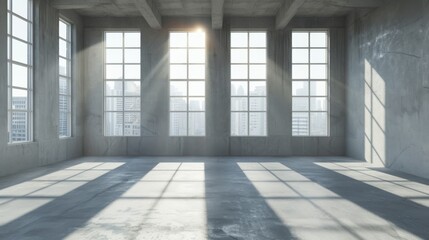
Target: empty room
214,119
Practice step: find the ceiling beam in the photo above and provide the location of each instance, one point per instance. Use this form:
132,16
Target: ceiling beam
287,12
149,12
357,3
217,14
78,4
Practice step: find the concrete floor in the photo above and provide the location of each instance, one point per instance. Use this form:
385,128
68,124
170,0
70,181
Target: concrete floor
213,198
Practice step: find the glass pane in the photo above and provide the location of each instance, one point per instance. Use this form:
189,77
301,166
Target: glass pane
239,104
178,56
239,123
300,124
318,104
114,39
178,72
178,124
197,104
114,104
257,55
19,128
239,56
63,124
132,88
63,30
318,72
257,124
132,124
132,39
197,56
299,39
19,76
19,99
238,88
257,39
113,71
319,124
178,104
197,88
197,72
239,72
65,49
178,39
132,104
300,72
257,88
258,104
178,88
113,124
318,39
238,39
20,7
113,88
63,67
63,86
132,72
197,124
299,104
257,71
318,56
19,28
299,88
19,51
64,104
197,39
114,56
299,55
318,88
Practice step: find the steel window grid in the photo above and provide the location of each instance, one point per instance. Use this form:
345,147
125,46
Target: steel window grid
29,66
68,77
123,80
309,80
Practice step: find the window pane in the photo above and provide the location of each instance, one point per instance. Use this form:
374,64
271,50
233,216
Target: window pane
63,30
178,124
319,124
63,124
132,104
257,71
113,88
238,88
114,104
19,51
300,124
318,88
178,104
299,88
19,127
239,123
114,39
318,39
132,39
238,39
19,99
19,28
132,88
132,124
299,71
257,88
239,56
178,88
64,103
178,72
197,39
114,56
299,55
19,76
20,7
197,125
132,72
239,72
113,124
299,104
258,104
197,72
196,104
318,104
318,56
113,71
197,56
318,72
178,39
239,104
257,39
178,56
64,49
257,55
64,87
63,67
257,124
299,39
197,88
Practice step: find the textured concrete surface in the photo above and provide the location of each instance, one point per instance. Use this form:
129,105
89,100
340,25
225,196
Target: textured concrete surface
46,148
388,86
155,138
213,198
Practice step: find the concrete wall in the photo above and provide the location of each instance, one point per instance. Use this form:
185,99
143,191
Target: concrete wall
388,86
46,147
155,95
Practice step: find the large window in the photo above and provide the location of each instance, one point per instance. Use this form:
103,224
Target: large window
187,83
122,84
65,79
248,84
20,70
310,83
